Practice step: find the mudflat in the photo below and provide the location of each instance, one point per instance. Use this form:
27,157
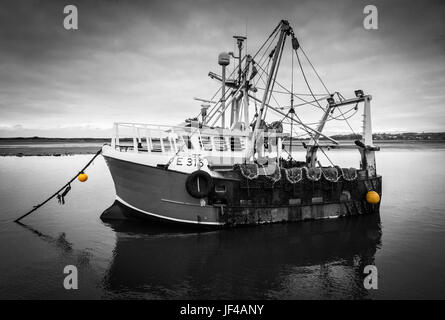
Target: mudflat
49,146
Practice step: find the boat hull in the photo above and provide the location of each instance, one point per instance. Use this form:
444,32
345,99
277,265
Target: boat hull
157,194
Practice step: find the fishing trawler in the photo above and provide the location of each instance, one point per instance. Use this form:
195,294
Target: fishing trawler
233,165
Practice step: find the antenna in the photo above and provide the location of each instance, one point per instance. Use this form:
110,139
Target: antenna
247,22
239,42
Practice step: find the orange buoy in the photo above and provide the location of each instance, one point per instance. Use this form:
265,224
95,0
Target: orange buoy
82,177
372,197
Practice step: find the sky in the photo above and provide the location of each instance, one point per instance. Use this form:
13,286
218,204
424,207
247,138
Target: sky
144,61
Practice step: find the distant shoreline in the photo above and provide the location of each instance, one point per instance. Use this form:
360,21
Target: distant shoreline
28,140
40,140
73,146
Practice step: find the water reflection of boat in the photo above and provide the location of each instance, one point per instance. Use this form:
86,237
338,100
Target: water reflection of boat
318,259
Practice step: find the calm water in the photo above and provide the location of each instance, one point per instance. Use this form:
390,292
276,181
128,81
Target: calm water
321,259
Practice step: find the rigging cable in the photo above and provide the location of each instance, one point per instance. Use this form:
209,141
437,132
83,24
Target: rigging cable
296,94
325,155
313,68
313,96
271,95
284,88
231,74
327,90
291,111
215,107
305,80
310,90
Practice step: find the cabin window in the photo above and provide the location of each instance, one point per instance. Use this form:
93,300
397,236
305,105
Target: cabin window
206,143
220,143
236,144
156,145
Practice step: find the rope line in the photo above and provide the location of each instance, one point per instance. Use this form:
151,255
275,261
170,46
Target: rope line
58,191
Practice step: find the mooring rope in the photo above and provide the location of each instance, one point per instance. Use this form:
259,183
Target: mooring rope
67,187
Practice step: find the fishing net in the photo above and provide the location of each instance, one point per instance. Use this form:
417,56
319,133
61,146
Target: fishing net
330,174
314,174
249,170
349,174
276,175
294,175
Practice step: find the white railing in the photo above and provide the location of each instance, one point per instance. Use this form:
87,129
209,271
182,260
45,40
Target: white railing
170,140
140,137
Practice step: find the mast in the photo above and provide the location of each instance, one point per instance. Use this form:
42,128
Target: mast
279,47
236,103
250,61
368,152
257,139
223,61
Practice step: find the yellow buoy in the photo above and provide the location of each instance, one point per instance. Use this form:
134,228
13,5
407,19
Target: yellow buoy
372,197
82,177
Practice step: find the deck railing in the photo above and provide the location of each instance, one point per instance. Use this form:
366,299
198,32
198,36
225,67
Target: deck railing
211,142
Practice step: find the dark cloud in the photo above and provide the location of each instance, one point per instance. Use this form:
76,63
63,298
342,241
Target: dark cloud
145,60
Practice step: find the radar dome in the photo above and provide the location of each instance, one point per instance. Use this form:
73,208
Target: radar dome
224,59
